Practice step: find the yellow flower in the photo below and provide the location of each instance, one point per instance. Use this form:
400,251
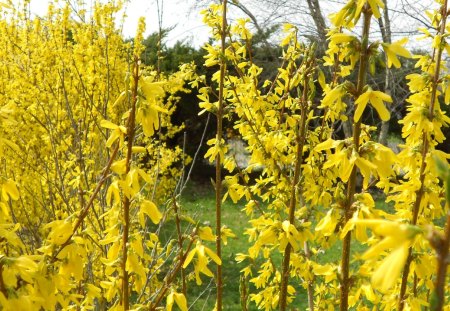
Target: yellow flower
201,264
328,223
117,133
397,236
226,233
349,15
151,210
289,234
339,38
9,190
61,230
5,5
333,97
387,273
376,99
206,234
417,82
394,49
179,299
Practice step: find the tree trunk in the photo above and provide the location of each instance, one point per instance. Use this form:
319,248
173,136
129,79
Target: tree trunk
319,21
385,28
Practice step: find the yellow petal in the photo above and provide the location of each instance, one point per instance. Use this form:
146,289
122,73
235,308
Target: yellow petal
342,38
205,270
112,138
383,96
206,234
108,124
380,108
398,49
113,192
151,210
169,302
382,227
5,5
139,149
361,103
327,224
348,227
61,230
375,5
181,301
286,225
387,273
366,167
120,98
327,144
119,167
213,256
189,258
10,188
346,167
151,89
374,251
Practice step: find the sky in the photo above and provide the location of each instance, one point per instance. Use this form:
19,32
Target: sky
176,13
187,23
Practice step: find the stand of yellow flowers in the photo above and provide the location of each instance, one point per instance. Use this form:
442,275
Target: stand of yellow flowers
88,182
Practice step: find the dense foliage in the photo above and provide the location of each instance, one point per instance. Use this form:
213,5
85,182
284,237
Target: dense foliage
89,180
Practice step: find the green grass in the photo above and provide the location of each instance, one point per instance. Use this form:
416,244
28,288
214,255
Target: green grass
198,201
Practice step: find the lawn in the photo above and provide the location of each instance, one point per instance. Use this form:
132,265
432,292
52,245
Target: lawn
198,201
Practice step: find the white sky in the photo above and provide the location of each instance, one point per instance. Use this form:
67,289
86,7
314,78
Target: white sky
188,25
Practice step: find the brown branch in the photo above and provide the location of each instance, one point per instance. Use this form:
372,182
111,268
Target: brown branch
385,28
218,184
301,136
351,186
131,123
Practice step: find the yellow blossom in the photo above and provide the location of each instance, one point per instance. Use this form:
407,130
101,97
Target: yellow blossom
398,237
179,299
394,49
376,99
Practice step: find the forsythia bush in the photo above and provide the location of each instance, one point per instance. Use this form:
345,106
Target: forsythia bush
88,181
85,167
